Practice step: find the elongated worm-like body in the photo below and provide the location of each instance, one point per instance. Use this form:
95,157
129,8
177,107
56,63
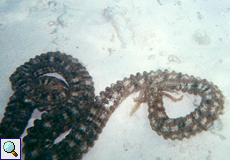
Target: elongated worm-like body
69,104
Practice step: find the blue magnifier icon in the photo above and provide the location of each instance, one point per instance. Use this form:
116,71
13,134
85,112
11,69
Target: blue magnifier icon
9,147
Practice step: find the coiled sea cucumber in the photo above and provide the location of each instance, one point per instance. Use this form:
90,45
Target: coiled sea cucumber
67,106
153,85
71,105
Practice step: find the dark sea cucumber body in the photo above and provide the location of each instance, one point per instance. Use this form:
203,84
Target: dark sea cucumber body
69,104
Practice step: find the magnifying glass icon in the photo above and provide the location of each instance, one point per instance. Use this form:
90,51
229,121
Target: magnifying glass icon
9,147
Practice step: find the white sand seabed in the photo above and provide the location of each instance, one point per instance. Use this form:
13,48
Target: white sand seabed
114,39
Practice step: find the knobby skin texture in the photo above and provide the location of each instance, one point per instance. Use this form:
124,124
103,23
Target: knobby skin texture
69,104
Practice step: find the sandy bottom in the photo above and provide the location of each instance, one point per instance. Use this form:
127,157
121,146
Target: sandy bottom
114,39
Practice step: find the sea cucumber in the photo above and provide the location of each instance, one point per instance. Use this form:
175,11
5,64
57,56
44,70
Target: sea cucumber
70,105
152,87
